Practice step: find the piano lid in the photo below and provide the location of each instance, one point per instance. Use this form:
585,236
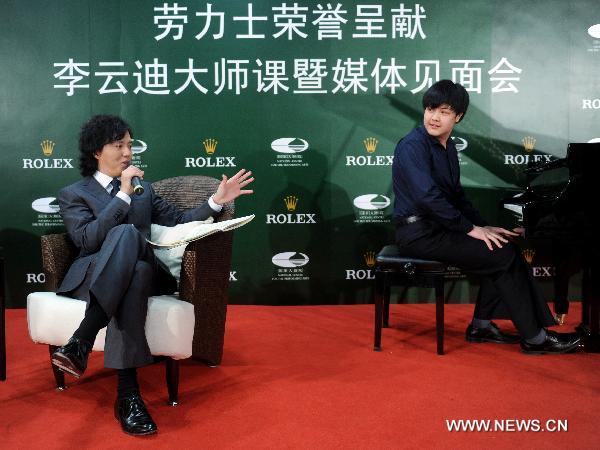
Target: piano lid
564,191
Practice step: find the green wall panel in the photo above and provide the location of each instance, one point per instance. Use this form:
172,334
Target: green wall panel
549,93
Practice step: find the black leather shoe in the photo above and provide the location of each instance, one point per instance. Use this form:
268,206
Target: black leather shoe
72,358
490,334
554,343
131,412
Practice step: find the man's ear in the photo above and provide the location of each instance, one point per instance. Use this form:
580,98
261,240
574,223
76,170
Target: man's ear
459,117
97,154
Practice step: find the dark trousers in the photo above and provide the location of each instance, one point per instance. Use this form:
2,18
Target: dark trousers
121,277
508,290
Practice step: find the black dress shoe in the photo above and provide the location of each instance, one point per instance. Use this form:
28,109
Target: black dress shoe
72,358
490,334
584,331
131,412
554,343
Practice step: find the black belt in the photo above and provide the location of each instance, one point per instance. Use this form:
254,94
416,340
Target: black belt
407,220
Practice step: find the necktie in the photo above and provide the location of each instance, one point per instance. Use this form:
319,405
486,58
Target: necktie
116,186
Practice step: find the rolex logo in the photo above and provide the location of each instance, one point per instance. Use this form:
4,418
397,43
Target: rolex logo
363,274
528,143
371,144
291,202
47,163
210,145
528,254
47,147
369,258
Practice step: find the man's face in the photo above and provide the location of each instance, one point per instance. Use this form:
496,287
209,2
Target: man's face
115,156
440,121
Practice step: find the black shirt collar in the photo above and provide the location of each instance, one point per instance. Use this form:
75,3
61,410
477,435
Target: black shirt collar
433,141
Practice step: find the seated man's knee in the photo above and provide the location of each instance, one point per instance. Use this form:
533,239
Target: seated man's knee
127,231
504,256
124,228
499,258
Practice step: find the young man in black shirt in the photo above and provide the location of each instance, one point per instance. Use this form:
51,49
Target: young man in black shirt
434,220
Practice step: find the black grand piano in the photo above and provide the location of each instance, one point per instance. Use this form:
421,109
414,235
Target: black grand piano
558,209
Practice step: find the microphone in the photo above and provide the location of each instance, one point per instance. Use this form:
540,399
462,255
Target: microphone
138,189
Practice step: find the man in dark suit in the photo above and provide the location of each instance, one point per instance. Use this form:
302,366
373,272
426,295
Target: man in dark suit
116,271
434,220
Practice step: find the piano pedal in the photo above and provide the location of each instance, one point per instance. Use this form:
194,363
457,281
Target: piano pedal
560,319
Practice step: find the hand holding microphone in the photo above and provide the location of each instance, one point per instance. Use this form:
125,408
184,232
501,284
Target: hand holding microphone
131,180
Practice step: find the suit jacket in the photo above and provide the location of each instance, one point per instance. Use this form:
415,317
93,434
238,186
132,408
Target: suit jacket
89,213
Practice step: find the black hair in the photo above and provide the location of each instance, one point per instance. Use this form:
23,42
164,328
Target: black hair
95,134
449,93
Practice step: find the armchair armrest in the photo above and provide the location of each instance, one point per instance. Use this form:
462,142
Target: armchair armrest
204,283
58,253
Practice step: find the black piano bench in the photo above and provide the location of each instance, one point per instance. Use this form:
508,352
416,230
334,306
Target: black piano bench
393,269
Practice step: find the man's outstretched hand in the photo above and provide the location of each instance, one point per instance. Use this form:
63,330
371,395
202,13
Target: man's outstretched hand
231,188
491,235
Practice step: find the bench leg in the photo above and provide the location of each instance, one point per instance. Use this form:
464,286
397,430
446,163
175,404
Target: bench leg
59,375
386,304
439,314
172,375
380,281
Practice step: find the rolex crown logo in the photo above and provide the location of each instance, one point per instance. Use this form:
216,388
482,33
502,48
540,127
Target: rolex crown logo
528,143
47,147
371,144
528,254
369,258
291,202
210,145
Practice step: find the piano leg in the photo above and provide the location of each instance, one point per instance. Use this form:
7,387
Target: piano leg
590,308
561,291
566,264
585,296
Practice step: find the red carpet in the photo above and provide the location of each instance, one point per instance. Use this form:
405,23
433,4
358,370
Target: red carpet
306,377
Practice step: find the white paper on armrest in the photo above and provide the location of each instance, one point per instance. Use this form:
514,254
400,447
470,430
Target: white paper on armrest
160,234
169,242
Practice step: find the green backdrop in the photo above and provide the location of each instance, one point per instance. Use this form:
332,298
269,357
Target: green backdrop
311,96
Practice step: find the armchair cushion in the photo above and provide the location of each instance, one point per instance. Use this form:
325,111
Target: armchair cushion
52,319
